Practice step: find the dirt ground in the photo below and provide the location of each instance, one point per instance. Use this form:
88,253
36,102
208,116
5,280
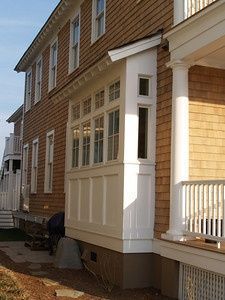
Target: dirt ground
25,286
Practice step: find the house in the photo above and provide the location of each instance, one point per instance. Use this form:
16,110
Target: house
11,171
123,129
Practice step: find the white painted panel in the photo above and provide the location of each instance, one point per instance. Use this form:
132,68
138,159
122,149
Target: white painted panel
85,199
97,200
112,196
73,199
144,189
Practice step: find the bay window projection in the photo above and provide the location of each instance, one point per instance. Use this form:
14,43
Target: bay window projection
86,143
144,86
75,147
25,164
28,89
114,91
76,112
53,65
143,133
49,162
75,43
34,170
99,99
113,135
86,106
38,80
98,22
98,142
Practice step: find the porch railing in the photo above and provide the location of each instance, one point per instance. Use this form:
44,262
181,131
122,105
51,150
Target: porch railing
191,7
12,145
204,208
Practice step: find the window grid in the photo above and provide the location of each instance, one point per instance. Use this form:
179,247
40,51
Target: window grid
99,99
75,148
86,106
98,140
114,91
38,80
100,12
113,135
28,90
76,112
53,68
75,42
86,143
34,167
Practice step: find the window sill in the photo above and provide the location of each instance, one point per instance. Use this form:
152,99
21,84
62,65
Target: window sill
94,40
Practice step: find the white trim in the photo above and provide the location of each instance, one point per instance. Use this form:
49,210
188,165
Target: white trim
36,98
27,105
25,163
207,260
71,58
48,190
134,48
94,36
34,160
51,84
109,242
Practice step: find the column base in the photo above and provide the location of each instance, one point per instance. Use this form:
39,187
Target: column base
176,237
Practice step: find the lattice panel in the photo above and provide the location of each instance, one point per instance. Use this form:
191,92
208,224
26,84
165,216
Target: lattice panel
199,284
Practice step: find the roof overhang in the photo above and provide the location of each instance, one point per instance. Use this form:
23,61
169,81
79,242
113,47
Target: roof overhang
45,34
113,56
197,39
16,115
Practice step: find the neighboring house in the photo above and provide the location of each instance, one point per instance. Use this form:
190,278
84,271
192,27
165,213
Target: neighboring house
11,167
104,95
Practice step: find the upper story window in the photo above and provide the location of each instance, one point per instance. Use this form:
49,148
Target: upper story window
86,106
99,99
114,91
49,161
28,90
75,44
34,170
53,65
38,80
86,143
98,18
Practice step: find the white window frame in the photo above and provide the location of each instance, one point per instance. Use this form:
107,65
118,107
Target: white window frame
113,83
28,90
99,140
49,163
25,164
142,76
34,168
53,68
72,66
38,82
74,148
76,112
95,19
113,136
88,106
97,99
85,146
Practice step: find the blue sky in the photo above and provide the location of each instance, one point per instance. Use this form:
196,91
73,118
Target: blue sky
20,21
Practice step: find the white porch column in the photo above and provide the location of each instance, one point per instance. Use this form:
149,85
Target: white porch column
179,11
179,149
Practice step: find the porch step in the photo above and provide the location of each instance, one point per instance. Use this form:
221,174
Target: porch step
6,219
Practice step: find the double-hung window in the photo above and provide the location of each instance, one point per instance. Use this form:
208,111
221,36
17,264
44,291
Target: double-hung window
34,170
28,89
75,149
38,80
114,91
98,143
98,18
86,143
75,112
99,99
113,135
25,165
86,106
49,162
75,43
53,65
